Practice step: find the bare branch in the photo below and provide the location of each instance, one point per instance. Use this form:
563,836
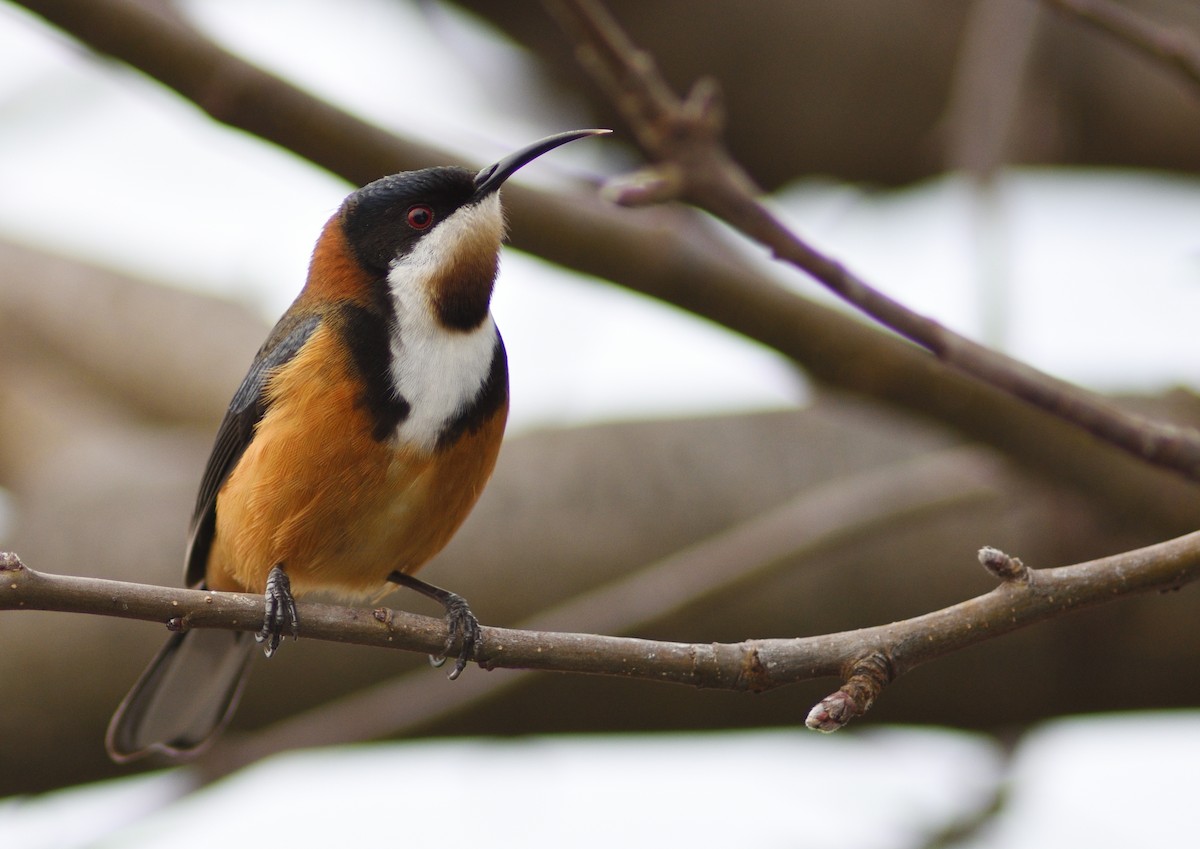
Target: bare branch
1170,46
683,136
847,507
22,588
754,665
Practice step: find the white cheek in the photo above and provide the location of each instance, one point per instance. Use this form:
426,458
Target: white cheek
439,371
474,228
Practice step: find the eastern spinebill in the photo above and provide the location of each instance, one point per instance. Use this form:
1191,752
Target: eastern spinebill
356,445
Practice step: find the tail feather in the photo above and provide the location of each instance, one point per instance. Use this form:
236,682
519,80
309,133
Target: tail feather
184,698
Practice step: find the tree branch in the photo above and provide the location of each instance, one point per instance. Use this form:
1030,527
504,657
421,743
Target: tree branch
850,506
683,137
867,659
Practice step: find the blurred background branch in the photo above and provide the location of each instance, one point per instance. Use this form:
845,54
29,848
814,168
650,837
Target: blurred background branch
1172,47
683,138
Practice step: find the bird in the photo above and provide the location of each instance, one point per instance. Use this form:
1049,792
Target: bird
358,442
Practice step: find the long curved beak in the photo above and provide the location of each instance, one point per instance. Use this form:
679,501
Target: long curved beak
492,178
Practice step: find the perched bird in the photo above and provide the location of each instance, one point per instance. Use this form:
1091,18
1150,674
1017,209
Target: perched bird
356,445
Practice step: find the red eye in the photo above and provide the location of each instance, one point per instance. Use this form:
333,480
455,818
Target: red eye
420,217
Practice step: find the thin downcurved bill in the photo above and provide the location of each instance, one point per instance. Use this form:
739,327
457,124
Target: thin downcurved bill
492,178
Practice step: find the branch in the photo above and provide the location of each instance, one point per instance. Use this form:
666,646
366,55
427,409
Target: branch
22,588
866,659
848,507
683,137
1170,46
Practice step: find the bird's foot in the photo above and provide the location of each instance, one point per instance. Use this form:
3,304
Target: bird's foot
279,611
463,627
464,630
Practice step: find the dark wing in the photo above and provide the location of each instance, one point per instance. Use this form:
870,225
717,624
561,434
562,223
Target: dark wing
248,406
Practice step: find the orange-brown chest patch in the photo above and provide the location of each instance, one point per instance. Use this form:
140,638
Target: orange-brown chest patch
316,492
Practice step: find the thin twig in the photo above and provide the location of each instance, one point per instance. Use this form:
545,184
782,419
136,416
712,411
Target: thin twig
754,665
683,136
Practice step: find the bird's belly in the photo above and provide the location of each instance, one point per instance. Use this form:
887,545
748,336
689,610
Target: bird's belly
338,509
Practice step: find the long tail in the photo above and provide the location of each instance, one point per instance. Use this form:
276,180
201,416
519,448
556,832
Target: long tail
184,698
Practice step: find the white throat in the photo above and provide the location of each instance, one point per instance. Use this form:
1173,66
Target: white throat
439,371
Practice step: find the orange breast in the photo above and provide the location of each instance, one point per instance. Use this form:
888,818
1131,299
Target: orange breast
338,509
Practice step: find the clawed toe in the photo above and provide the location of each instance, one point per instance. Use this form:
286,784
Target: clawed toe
279,611
464,630
463,627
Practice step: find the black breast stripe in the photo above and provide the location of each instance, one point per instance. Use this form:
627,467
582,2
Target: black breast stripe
368,336
491,396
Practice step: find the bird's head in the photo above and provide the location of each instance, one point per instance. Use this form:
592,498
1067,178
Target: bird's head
431,237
